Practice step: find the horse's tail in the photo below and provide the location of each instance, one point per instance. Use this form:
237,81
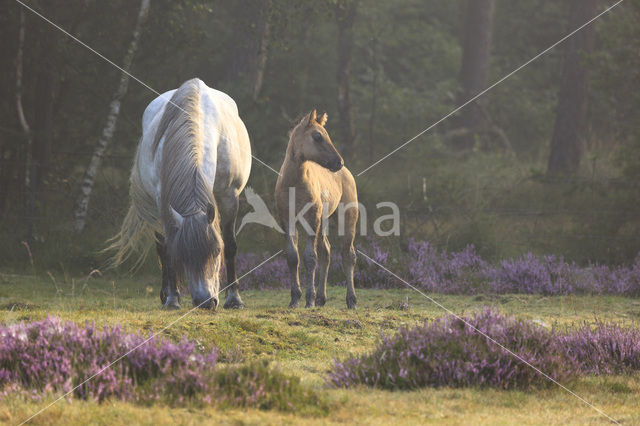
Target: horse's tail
137,231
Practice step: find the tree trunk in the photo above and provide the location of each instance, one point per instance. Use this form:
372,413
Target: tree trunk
82,203
29,181
566,143
250,41
374,96
474,72
43,122
261,59
345,17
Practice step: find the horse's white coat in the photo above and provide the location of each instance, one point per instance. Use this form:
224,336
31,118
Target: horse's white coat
226,162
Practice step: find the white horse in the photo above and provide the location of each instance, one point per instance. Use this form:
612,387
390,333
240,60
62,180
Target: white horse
193,161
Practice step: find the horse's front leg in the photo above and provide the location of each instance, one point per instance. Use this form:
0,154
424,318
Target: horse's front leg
311,263
169,294
293,260
229,212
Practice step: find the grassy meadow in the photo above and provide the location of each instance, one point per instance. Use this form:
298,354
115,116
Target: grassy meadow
303,342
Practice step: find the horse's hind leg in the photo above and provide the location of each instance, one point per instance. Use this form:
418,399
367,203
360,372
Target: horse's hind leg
169,294
229,212
349,254
293,260
324,256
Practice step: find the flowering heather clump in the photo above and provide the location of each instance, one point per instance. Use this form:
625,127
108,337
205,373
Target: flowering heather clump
56,356
605,349
447,352
272,275
52,356
460,273
465,272
366,273
529,274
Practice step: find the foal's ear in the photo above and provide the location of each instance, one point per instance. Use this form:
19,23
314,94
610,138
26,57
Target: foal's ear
312,118
322,120
211,213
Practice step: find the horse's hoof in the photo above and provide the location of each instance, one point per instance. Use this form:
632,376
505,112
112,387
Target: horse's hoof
321,300
171,306
294,303
310,305
233,304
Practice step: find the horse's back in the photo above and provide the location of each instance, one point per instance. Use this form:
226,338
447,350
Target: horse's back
226,163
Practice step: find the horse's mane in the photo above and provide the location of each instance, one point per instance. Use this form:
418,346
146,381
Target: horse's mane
184,188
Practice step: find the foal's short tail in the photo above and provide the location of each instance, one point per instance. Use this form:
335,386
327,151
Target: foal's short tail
136,234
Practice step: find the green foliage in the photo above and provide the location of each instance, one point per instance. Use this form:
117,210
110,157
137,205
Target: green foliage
407,52
272,389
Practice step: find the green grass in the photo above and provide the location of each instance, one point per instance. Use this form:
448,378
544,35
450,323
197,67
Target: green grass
303,342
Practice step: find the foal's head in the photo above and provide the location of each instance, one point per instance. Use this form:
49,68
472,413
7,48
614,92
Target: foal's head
195,246
310,142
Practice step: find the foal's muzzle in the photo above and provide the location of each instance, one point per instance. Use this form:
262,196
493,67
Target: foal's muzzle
336,165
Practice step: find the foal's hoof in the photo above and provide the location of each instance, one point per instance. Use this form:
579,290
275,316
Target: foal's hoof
233,303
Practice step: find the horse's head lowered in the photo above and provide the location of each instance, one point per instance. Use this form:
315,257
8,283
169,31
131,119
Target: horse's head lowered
195,247
311,142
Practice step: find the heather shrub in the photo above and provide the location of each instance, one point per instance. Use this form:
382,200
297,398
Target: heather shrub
272,275
465,272
458,272
461,272
447,352
604,349
53,357
529,274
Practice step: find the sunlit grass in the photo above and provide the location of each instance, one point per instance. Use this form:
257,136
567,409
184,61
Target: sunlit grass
303,342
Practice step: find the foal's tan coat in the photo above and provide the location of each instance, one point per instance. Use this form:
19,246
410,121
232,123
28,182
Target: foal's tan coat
313,173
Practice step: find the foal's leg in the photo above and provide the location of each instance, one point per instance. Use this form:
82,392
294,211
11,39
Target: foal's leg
169,294
324,256
349,254
293,260
311,257
228,215
310,263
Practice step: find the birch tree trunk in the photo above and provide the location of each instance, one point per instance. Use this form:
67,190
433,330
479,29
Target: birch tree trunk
82,203
29,181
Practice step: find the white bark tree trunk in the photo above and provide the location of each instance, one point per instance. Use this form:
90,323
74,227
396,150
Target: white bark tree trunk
86,188
29,182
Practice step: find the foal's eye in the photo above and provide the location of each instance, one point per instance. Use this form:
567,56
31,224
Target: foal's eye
317,136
